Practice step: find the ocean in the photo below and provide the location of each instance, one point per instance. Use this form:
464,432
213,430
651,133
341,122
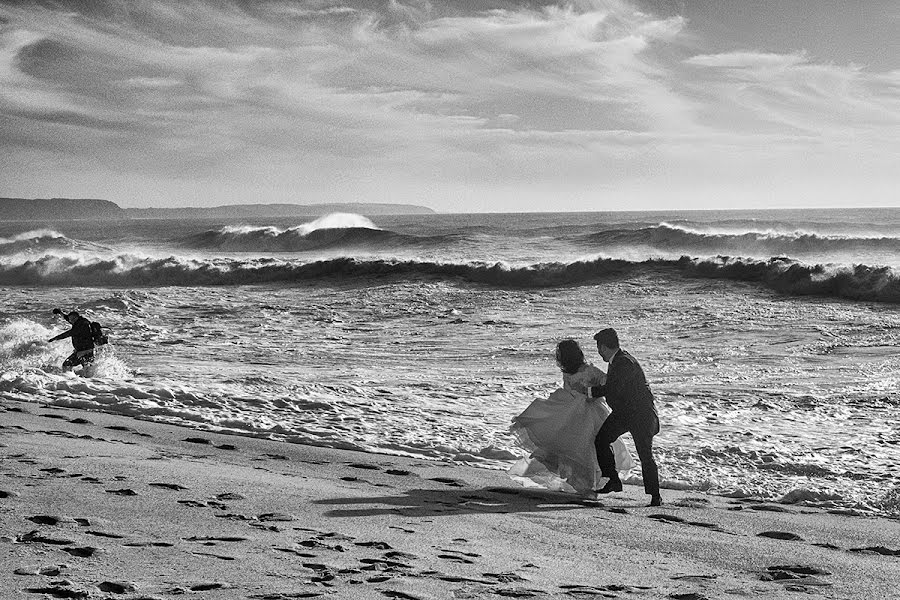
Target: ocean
770,338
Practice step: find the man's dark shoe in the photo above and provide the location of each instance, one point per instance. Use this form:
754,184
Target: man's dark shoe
613,485
655,500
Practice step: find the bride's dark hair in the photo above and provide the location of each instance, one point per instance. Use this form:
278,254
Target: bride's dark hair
569,356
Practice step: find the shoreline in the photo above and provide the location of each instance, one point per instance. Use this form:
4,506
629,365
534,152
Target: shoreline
99,505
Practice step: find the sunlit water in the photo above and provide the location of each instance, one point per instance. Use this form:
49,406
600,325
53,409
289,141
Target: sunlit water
761,392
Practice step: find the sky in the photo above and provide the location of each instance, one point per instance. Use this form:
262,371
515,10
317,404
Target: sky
459,105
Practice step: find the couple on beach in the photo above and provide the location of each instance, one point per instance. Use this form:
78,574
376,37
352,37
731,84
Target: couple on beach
573,436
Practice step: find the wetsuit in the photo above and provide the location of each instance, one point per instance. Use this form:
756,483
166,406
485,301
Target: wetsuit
82,341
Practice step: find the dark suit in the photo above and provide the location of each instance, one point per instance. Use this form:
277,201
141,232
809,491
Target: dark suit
631,401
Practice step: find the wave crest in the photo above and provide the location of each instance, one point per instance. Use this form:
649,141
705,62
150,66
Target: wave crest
859,282
336,230
38,240
666,236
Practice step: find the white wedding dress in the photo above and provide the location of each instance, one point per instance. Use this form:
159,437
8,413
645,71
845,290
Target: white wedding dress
559,433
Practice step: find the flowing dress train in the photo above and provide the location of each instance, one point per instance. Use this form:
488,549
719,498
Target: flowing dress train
559,433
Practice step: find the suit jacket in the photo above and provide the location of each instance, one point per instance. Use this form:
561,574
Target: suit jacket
626,390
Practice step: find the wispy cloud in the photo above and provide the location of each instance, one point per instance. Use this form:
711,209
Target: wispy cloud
413,95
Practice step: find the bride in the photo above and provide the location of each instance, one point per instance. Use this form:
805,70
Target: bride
559,431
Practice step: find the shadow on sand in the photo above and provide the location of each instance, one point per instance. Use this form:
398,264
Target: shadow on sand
430,503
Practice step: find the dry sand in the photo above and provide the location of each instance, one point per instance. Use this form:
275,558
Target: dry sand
99,506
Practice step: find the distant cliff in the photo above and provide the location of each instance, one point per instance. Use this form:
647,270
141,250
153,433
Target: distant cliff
58,209
275,210
53,209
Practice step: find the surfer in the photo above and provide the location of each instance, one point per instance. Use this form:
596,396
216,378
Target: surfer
85,337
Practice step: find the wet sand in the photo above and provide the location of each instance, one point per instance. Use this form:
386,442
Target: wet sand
94,505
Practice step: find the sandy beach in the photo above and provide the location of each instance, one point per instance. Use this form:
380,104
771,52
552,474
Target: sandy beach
94,505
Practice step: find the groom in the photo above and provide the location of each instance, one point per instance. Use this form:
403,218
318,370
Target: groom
631,402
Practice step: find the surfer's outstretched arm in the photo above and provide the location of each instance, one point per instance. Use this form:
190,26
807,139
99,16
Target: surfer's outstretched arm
61,336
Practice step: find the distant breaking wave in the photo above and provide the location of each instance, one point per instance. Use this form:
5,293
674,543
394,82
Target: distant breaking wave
41,240
337,230
684,239
860,282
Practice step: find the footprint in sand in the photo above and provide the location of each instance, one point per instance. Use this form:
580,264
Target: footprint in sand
275,517
192,503
770,508
383,564
35,537
296,551
104,534
49,520
219,556
403,529
693,577
45,571
376,545
117,587
148,545
877,550
82,551
364,466
229,496
317,544
673,519
326,534
60,590
53,470
827,545
505,577
710,526
666,518
52,416
168,486
398,554
604,590
781,535
796,577
457,556
286,595
448,481
206,587
400,595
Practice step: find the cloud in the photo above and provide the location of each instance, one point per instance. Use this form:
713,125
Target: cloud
551,67
787,92
745,60
412,93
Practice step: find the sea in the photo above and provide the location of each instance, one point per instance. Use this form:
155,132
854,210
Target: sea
770,338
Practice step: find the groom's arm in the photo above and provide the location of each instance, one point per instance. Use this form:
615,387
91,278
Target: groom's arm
596,391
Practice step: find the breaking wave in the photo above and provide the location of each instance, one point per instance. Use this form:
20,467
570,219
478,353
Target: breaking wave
858,282
337,230
41,240
665,236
